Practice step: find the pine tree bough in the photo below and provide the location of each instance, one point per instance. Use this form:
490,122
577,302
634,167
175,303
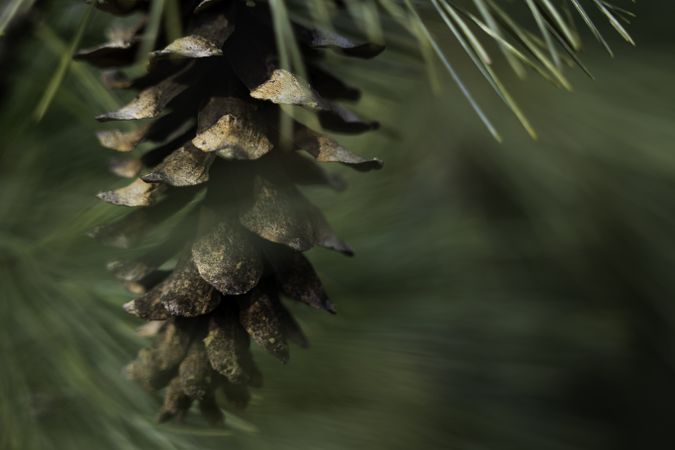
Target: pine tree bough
213,96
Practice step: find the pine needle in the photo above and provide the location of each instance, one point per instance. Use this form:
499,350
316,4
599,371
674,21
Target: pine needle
482,62
10,11
64,64
557,41
157,8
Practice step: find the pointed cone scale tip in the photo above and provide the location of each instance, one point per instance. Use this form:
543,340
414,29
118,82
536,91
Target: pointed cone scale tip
344,248
329,306
152,177
130,307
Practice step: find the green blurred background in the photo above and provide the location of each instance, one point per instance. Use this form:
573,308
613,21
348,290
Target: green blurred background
504,296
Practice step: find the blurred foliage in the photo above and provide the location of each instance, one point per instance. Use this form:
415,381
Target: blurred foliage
513,296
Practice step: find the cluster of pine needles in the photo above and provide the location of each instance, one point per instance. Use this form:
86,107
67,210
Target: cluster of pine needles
537,35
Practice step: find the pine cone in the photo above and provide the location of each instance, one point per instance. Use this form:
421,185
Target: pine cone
213,96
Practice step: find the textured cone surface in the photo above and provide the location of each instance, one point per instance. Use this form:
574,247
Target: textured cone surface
227,259
194,372
209,103
261,318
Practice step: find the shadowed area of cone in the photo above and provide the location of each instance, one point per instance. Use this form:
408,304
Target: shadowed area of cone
305,172
194,372
297,278
124,232
176,402
127,231
110,54
210,410
154,367
290,327
158,154
206,4
236,395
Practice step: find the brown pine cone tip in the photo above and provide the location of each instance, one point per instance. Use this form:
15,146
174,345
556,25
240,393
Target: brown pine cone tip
213,95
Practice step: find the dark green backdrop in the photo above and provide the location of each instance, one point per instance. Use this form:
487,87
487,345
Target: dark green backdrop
504,296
